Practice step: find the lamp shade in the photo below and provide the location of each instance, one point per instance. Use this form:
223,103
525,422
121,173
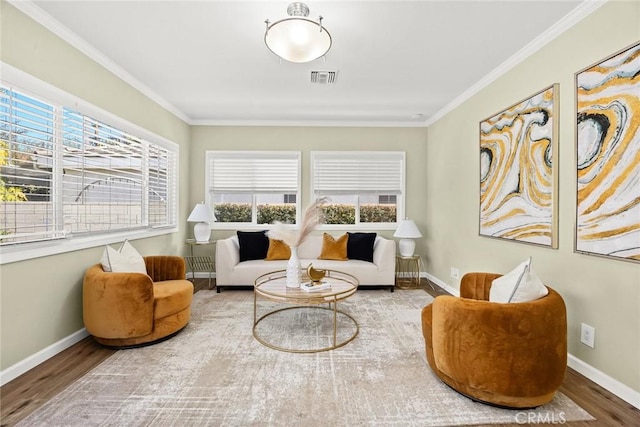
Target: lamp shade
201,213
407,229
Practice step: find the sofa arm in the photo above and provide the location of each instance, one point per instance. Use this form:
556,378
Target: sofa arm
227,257
480,342
162,268
384,254
117,305
477,285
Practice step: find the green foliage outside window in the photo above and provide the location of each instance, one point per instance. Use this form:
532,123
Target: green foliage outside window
8,194
233,212
339,214
286,213
377,213
267,213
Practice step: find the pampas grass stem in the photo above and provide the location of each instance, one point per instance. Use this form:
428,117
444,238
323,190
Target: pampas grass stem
310,220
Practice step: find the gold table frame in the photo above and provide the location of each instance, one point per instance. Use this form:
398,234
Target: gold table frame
272,286
408,271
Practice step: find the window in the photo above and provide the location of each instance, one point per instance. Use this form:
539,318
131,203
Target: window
253,187
363,187
64,174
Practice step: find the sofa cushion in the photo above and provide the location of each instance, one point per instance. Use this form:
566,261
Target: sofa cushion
278,250
519,285
125,260
360,246
253,245
335,249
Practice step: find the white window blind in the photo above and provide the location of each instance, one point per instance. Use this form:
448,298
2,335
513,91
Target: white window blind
253,172
72,174
27,135
336,173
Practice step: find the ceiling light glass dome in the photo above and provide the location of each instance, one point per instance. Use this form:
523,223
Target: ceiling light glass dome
297,38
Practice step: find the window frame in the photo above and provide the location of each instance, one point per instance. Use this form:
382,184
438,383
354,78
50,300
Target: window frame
28,85
253,225
364,226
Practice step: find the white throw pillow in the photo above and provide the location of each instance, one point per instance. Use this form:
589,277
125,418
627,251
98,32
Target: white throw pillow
125,260
519,285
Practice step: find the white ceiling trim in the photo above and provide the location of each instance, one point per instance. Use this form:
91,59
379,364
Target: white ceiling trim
40,16
311,123
568,21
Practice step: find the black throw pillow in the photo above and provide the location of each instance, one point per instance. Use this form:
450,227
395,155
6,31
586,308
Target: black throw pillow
253,245
360,246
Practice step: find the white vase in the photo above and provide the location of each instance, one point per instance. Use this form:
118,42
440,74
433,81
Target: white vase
294,269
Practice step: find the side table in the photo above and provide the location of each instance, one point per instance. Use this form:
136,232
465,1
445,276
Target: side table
408,271
200,263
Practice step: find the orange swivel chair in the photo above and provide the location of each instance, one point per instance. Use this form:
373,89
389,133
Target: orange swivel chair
133,309
510,355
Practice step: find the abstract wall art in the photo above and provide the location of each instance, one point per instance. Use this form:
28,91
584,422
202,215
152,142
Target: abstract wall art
608,157
518,172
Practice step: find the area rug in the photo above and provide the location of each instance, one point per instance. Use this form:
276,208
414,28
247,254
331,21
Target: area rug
214,373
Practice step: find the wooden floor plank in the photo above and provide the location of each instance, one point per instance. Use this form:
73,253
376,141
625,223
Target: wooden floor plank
31,390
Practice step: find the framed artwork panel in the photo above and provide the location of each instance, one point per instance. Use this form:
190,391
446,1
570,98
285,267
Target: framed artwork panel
518,172
608,157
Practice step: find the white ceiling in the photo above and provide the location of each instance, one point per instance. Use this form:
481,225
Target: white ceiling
207,62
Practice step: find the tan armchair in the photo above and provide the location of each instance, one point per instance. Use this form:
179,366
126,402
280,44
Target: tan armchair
510,355
131,309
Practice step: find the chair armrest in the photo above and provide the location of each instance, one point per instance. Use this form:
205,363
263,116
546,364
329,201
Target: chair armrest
384,254
117,305
477,285
162,268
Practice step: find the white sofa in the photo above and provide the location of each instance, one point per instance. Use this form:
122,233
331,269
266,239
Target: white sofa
231,272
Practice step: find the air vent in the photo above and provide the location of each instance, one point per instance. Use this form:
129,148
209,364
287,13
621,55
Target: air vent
324,77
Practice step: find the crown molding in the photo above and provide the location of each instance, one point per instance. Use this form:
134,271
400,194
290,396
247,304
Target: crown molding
311,123
29,8
568,21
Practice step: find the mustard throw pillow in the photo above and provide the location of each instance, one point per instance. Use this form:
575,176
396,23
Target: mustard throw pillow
278,250
334,249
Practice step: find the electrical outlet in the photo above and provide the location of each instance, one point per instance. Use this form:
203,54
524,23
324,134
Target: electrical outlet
455,273
588,335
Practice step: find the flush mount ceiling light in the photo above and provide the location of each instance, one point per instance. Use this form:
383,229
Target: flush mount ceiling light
297,38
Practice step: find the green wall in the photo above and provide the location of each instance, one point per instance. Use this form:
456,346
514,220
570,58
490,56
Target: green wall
307,139
603,293
41,299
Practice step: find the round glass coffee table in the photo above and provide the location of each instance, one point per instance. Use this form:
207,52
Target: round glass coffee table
272,287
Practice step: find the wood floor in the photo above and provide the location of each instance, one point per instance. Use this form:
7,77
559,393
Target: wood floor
28,392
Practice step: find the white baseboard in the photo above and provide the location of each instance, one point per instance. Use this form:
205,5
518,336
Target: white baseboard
624,392
443,285
14,371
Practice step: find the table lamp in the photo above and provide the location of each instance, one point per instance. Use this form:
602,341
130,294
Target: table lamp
407,231
203,217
